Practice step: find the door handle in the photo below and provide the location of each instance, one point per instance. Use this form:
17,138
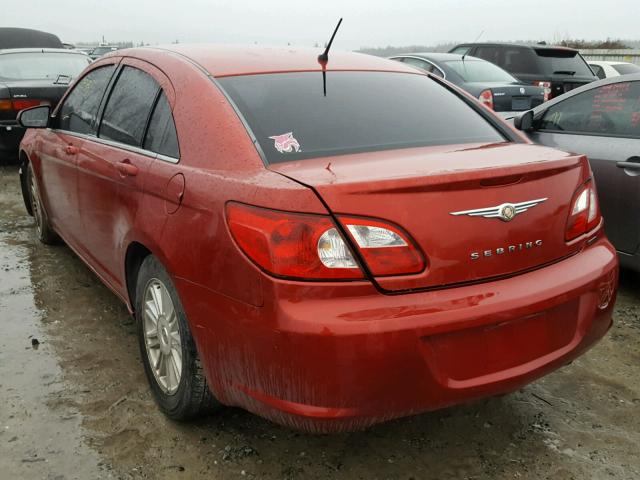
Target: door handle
127,169
631,163
71,150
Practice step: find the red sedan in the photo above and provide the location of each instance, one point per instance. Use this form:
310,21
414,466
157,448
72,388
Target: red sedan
326,245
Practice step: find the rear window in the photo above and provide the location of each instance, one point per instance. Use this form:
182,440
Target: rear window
41,66
478,71
563,62
626,68
362,111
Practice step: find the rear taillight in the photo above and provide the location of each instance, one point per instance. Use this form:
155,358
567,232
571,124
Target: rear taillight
486,98
22,104
585,211
547,89
17,105
292,245
384,247
308,246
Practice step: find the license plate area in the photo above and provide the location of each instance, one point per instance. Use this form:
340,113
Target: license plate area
520,103
473,353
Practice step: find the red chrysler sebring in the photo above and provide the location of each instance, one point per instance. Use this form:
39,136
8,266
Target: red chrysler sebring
328,245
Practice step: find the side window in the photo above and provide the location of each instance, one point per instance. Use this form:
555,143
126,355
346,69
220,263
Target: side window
414,62
598,70
161,136
79,111
461,50
519,60
436,71
128,107
490,54
612,109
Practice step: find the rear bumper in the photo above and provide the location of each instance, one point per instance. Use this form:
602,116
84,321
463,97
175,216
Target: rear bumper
324,358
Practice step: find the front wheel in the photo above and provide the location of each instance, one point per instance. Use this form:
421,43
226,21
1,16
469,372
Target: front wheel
168,351
43,229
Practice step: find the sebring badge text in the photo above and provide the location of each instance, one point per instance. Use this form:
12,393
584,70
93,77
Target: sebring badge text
519,247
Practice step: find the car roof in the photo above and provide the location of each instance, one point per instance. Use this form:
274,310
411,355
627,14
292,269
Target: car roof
535,46
227,60
39,50
608,62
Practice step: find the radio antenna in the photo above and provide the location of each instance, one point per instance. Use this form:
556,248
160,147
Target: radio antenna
323,59
477,38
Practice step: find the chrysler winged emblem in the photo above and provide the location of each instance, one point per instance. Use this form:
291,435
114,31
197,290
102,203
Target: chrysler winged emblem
505,212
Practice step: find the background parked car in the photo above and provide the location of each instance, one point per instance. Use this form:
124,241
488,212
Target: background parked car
601,120
558,69
101,50
30,77
27,38
494,87
604,69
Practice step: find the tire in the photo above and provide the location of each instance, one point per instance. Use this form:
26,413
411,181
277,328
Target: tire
43,228
168,351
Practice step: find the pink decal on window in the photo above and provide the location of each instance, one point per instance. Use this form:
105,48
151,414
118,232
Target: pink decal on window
286,143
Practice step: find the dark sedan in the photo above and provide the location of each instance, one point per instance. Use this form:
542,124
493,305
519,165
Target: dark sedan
601,120
493,86
31,77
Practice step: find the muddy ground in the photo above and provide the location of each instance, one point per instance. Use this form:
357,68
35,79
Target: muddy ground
75,404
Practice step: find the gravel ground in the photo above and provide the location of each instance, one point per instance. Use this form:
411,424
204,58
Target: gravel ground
74,402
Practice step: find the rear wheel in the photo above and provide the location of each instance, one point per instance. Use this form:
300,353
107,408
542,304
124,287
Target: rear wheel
168,351
43,229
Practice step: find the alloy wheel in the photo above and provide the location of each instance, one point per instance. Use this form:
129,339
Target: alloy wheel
162,336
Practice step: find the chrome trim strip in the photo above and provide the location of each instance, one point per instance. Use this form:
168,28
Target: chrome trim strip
444,75
121,146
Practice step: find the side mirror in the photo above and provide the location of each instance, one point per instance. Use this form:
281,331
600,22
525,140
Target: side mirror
524,121
35,117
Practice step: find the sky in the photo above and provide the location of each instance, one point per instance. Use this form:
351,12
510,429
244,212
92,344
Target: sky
303,23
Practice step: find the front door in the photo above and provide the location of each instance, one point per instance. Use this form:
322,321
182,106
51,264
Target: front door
61,147
604,124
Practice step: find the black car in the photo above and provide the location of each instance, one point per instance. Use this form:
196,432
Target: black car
494,87
601,120
28,38
30,77
558,69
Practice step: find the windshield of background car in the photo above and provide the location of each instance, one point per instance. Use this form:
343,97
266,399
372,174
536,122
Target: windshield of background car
41,65
479,71
292,119
563,62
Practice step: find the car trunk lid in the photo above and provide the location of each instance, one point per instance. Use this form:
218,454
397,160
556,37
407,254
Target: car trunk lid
515,97
424,191
29,93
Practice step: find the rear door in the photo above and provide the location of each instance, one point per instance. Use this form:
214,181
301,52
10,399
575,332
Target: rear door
604,124
112,166
75,120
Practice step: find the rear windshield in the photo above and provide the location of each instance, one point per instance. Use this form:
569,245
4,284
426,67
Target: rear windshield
625,68
563,62
480,71
362,111
41,65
